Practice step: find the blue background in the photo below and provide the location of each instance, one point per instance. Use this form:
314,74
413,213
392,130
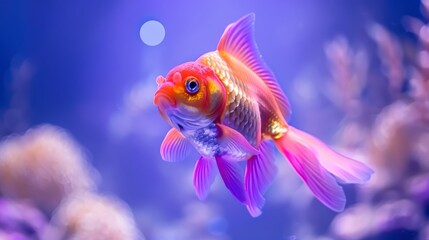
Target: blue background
94,77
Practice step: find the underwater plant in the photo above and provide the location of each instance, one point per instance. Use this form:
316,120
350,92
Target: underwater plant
43,165
92,216
44,175
394,204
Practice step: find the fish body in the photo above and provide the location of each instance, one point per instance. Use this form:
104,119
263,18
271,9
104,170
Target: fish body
227,105
252,118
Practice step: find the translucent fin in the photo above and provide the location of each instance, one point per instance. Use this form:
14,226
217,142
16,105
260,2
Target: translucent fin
204,175
175,147
239,42
232,176
304,161
234,146
259,174
346,169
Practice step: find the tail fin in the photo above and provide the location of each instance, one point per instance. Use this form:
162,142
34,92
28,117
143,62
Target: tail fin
345,169
313,161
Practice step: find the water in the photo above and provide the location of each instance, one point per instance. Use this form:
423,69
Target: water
87,71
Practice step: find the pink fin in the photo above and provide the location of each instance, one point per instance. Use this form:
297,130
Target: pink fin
346,169
232,177
234,146
259,174
304,161
238,41
204,176
175,147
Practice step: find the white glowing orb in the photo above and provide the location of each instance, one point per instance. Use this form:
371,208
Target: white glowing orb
152,33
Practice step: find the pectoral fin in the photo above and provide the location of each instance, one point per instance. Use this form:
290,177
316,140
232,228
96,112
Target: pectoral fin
175,147
234,146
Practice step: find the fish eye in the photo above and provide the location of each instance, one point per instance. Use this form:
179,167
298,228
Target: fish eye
192,85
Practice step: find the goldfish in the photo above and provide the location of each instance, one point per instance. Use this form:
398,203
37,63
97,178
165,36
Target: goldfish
229,107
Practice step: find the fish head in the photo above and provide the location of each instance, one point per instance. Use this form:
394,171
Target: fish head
191,96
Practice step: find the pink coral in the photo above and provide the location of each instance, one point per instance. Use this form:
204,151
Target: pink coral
91,216
44,165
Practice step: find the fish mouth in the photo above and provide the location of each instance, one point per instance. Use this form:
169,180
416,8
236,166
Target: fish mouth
164,97
165,101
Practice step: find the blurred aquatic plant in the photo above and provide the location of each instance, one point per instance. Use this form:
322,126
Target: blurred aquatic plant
349,74
349,70
400,127
390,55
92,216
45,171
396,132
20,220
47,168
365,221
395,201
44,165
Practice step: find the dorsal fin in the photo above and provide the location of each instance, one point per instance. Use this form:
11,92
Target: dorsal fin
238,41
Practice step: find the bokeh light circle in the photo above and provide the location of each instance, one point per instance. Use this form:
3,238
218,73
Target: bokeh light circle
152,33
